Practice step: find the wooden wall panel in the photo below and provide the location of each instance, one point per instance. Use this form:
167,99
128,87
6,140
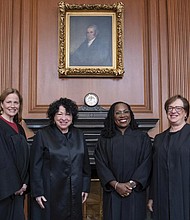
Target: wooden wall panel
179,46
43,65
10,37
6,27
156,55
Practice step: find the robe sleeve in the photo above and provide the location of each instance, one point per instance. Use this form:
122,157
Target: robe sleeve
36,163
86,170
26,153
143,171
150,192
104,172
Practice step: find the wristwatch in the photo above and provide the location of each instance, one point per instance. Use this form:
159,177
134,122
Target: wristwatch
132,184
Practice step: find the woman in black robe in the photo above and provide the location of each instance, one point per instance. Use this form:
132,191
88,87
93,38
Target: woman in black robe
60,168
170,185
123,161
14,157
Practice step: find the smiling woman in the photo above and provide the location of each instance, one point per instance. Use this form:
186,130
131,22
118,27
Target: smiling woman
122,117
171,162
63,119
60,168
123,160
14,157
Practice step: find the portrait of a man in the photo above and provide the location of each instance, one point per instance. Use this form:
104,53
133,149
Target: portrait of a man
90,41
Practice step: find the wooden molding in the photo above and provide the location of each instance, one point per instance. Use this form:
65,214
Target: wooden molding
35,107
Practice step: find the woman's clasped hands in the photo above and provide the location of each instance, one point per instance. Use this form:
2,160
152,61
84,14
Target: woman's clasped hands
124,189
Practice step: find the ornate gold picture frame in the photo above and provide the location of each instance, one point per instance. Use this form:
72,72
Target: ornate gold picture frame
90,40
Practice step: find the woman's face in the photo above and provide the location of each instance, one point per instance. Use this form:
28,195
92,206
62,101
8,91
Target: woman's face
176,113
63,119
10,106
122,116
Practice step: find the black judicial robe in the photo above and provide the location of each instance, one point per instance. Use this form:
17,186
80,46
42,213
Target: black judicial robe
14,162
60,170
122,158
171,175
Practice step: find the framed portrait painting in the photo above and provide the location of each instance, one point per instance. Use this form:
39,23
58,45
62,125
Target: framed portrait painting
90,40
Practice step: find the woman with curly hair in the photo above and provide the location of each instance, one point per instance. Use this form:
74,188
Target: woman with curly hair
60,168
123,160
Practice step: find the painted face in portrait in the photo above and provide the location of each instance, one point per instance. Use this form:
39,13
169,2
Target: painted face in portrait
10,106
90,33
176,113
122,116
63,119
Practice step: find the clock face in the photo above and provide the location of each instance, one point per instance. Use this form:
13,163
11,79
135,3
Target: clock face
91,99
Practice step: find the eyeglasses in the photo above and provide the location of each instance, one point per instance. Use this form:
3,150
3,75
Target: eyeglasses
178,109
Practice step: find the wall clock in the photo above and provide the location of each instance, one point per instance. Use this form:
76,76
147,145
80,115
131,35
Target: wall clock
91,99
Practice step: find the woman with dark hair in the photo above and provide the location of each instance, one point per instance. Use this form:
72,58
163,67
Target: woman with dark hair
14,157
169,191
60,168
123,160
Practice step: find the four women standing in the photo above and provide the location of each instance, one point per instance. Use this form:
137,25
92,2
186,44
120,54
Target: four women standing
60,169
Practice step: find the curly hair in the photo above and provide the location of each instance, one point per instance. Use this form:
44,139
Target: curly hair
18,117
70,106
109,129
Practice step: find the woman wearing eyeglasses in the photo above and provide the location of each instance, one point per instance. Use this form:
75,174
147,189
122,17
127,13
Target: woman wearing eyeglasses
170,185
123,161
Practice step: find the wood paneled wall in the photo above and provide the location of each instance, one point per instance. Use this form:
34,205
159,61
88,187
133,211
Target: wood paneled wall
156,55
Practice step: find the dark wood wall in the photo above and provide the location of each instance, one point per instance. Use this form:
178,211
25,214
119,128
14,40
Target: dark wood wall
156,56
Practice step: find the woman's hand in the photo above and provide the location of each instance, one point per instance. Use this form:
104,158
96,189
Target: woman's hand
84,196
21,191
40,200
150,205
124,189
